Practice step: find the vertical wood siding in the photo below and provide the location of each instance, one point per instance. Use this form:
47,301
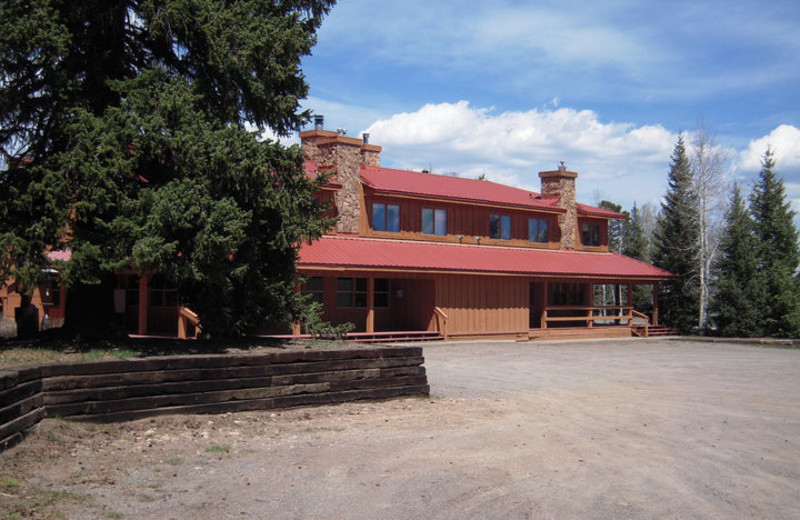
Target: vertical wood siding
483,304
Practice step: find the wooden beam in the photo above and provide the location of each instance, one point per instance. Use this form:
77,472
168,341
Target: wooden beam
144,302
370,304
655,303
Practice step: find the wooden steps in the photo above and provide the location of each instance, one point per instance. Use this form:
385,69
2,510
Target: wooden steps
655,331
373,337
385,337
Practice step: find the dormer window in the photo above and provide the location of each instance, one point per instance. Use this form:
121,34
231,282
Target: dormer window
537,230
386,217
590,235
434,221
500,227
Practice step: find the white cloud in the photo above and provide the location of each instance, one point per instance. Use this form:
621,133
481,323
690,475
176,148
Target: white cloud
627,162
784,142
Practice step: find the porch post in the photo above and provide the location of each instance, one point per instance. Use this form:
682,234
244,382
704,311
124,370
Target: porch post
655,303
370,304
144,302
545,300
629,303
590,302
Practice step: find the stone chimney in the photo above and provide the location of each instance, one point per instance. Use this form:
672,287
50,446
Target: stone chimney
560,184
345,155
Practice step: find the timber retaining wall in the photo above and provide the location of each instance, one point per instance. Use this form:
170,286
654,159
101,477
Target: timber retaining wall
134,388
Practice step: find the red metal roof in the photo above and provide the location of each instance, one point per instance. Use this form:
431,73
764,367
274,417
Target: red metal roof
592,211
366,253
387,180
313,171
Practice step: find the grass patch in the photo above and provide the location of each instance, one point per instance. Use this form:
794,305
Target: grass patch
9,483
174,461
114,515
219,448
41,504
324,429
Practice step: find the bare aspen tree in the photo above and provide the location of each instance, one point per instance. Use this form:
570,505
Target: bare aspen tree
709,165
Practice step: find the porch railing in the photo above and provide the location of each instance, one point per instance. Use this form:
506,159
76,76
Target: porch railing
646,327
441,322
586,314
185,318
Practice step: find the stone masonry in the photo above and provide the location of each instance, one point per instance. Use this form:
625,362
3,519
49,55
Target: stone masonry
345,155
561,184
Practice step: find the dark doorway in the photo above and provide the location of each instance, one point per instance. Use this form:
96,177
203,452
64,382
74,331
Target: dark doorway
536,304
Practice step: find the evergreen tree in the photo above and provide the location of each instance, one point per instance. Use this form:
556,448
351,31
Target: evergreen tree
778,251
634,242
123,140
635,245
677,242
741,294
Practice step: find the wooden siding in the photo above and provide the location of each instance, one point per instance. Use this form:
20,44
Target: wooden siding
466,220
411,301
479,305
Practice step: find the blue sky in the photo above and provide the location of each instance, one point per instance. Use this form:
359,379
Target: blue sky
509,88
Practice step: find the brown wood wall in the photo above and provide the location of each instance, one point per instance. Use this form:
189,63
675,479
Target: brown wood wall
483,304
462,219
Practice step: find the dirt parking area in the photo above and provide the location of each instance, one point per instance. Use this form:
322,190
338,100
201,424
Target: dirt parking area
605,429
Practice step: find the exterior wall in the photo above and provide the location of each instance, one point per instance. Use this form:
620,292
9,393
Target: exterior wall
411,301
467,221
484,305
44,299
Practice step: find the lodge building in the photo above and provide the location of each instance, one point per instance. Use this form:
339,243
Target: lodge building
462,258
415,255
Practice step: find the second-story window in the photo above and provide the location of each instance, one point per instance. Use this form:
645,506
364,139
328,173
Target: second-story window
590,235
386,217
314,287
500,227
434,221
537,230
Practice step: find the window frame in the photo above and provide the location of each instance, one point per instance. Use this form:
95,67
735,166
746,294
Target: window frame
503,226
591,231
317,293
439,229
536,237
383,224
358,292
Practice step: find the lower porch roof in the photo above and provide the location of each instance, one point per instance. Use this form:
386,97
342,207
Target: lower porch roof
349,252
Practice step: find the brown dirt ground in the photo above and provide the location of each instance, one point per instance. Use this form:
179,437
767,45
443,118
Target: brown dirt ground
599,429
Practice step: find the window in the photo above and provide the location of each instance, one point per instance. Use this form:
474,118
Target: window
590,234
162,294
500,227
352,293
537,230
314,287
386,217
434,221
381,292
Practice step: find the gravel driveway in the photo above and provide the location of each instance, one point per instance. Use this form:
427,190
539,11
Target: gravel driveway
595,429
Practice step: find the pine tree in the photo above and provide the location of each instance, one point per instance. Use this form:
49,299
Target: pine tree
636,246
634,242
741,294
778,251
677,242
124,140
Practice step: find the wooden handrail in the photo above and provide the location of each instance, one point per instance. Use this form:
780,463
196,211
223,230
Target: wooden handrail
637,314
441,321
186,315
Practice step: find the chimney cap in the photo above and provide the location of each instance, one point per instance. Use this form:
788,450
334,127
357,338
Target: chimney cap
365,137
319,122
